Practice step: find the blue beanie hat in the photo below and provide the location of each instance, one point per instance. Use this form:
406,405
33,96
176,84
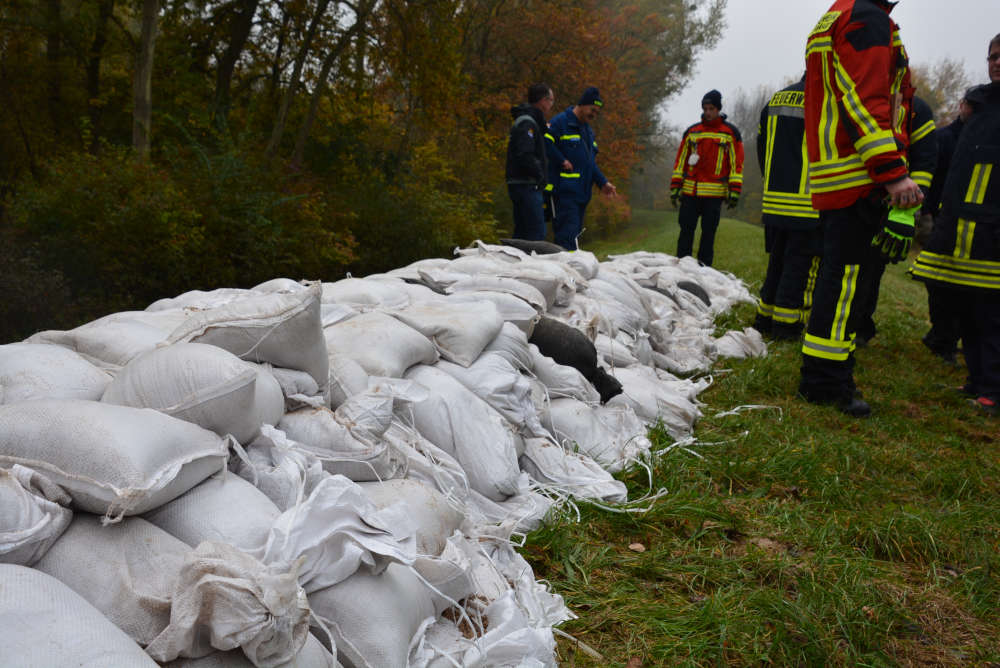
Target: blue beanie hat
714,98
590,96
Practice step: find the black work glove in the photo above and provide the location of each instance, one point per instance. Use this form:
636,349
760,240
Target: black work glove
732,200
675,196
894,239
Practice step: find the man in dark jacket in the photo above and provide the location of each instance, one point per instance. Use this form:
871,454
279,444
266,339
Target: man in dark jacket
573,170
526,164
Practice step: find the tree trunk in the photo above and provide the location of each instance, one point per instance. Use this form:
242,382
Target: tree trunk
104,10
331,57
142,114
286,99
53,56
239,31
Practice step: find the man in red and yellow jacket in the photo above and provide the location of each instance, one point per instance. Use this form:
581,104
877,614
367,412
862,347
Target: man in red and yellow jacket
708,169
857,95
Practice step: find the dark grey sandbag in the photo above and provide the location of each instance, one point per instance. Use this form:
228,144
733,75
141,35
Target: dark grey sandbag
696,290
540,247
570,347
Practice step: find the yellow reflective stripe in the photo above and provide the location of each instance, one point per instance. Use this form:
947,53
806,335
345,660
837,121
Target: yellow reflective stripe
922,178
550,138
829,118
830,349
711,189
967,272
681,161
772,130
718,163
549,187
792,211
787,315
848,288
570,137
875,144
765,310
978,183
829,167
922,131
804,178
819,45
964,232
688,188
807,296
698,136
569,175
855,107
839,182
787,198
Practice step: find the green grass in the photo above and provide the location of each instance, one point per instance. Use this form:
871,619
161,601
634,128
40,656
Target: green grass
800,536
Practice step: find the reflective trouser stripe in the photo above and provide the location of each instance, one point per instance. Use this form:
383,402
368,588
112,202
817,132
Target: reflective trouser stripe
765,310
848,289
807,296
787,315
828,349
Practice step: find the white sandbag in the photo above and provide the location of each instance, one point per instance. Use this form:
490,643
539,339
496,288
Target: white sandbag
620,301
741,344
312,655
331,314
512,344
411,272
570,472
113,341
521,513
375,618
510,286
109,459
176,601
349,440
498,252
45,623
202,384
347,377
495,381
427,463
613,352
278,468
40,371
297,387
33,514
465,426
284,285
365,295
511,309
577,425
282,329
587,314
653,400
560,380
431,515
583,262
458,331
627,426
380,344
199,300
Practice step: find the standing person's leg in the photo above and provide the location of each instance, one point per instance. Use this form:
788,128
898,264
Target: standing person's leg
535,216
774,246
688,219
828,348
987,314
520,198
968,325
567,222
711,212
942,309
790,295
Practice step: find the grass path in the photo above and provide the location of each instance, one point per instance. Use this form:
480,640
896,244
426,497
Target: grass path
795,535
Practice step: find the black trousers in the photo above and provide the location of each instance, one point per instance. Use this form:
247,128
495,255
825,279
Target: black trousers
863,312
944,310
828,347
710,210
792,267
529,212
979,319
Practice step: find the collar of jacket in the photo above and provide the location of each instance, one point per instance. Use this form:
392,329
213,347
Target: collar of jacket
717,122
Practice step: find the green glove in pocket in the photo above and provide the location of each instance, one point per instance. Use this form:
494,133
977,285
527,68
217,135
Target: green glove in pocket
896,236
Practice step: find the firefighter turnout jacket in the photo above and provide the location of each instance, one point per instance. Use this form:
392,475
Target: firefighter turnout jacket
709,160
781,152
569,139
857,95
922,154
964,248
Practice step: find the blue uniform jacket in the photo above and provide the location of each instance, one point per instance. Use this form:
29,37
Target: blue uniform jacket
570,139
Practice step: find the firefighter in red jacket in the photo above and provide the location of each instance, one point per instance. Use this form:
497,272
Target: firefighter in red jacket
857,88
708,170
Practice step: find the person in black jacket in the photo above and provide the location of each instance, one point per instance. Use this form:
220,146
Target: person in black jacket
526,163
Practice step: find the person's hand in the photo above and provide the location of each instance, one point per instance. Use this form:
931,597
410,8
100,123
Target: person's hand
567,166
675,196
904,193
732,200
894,239
609,190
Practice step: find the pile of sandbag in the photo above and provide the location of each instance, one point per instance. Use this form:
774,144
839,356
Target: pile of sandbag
319,474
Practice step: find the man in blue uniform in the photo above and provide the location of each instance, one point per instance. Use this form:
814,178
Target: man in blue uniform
573,171
526,168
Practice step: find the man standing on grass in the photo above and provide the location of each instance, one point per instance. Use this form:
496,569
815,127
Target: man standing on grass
963,254
708,170
792,235
526,167
857,83
573,171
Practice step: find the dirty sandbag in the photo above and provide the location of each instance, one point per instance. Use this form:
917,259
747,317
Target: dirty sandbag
577,426
284,473
560,380
741,344
613,352
432,516
459,331
465,426
110,459
113,341
571,473
312,655
380,344
176,601
512,344
282,329
48,624
33,514
427,463
653,400
510,286
511,309
347,378
43,371
375,618
298,388
500,252
202,384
